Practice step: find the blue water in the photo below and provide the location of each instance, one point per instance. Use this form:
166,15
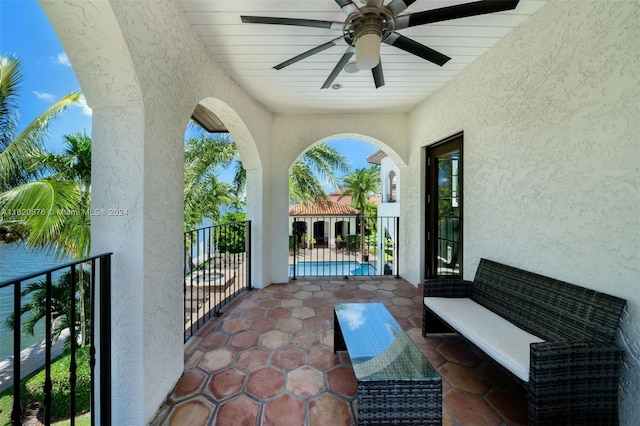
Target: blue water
15,261
336,268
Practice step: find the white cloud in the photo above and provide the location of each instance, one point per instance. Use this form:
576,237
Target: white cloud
62,59
82,103
45,96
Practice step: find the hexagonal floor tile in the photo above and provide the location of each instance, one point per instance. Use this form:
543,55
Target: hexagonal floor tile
342,380
252,359
287,358
217,359
265,383
238,411
273,339
226,383
284,410
193,412
305,382
327,410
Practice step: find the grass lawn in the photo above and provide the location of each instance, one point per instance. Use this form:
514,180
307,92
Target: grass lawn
59,376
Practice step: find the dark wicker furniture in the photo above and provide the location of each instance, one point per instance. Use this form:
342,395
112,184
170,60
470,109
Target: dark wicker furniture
573,374
396,384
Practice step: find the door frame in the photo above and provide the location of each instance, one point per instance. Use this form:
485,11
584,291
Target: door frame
445,146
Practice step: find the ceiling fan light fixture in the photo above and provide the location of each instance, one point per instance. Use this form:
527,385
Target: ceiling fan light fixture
368,51
351,67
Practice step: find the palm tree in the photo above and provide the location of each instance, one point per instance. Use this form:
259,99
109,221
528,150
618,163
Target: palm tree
360,185
61,205
204,193
60,305
321,160
20,152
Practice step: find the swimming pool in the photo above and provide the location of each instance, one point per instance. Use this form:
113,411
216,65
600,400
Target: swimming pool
335,268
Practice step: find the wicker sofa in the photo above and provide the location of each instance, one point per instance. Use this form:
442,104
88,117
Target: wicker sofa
556,338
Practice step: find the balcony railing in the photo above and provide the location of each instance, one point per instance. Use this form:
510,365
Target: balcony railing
61,293
217,267
343,246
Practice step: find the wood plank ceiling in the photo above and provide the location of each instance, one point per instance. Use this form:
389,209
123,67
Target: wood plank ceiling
248,52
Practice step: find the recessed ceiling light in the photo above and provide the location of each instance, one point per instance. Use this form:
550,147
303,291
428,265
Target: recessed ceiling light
336,86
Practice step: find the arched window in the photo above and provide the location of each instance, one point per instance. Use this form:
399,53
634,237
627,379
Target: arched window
391,189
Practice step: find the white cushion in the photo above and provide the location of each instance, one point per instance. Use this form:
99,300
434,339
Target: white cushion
501,340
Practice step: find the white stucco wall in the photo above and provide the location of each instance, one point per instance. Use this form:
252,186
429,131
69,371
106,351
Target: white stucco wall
551,157
387,209
143,71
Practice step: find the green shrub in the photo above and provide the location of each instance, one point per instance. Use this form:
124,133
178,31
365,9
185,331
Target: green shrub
353,242
61,392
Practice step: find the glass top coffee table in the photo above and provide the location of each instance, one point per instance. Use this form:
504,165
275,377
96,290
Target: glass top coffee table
396,384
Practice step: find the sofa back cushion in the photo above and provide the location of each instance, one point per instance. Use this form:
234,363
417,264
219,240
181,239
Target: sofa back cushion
550,309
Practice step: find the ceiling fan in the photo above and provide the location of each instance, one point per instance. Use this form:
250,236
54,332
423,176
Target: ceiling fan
373,23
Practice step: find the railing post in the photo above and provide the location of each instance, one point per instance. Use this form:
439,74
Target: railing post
295,246
16,413
105,340
248,253
74,341
48,386
397,248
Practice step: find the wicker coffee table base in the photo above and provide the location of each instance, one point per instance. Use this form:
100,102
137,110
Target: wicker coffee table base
400,402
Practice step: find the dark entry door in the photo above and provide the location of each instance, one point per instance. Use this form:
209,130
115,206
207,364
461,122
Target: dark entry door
444,208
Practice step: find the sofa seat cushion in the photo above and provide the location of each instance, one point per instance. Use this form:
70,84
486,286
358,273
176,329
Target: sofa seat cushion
507,344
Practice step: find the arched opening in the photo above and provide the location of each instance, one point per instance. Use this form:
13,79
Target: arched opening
217,246
343,233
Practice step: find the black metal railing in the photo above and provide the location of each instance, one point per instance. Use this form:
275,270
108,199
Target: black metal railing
217,267
63,292
343,246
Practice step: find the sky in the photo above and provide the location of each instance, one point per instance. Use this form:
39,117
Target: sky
26,33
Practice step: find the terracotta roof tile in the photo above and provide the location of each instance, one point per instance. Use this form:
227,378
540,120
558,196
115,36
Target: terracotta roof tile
336,196
324,208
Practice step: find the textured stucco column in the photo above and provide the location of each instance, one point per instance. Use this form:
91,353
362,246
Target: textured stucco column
143,184
279,232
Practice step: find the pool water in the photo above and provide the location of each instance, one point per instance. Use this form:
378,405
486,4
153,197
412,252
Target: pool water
335,268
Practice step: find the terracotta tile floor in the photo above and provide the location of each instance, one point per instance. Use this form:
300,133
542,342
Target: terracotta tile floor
268,360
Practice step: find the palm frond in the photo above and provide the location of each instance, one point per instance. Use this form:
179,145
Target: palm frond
303,185
10,79
20,155
325,161
45,206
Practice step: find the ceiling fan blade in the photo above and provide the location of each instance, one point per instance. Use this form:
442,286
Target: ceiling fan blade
412,46
378,76
292,21
454,12
335,42
339,66
398,6
347,6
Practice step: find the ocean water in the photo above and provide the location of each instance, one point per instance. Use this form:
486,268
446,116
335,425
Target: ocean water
16,261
